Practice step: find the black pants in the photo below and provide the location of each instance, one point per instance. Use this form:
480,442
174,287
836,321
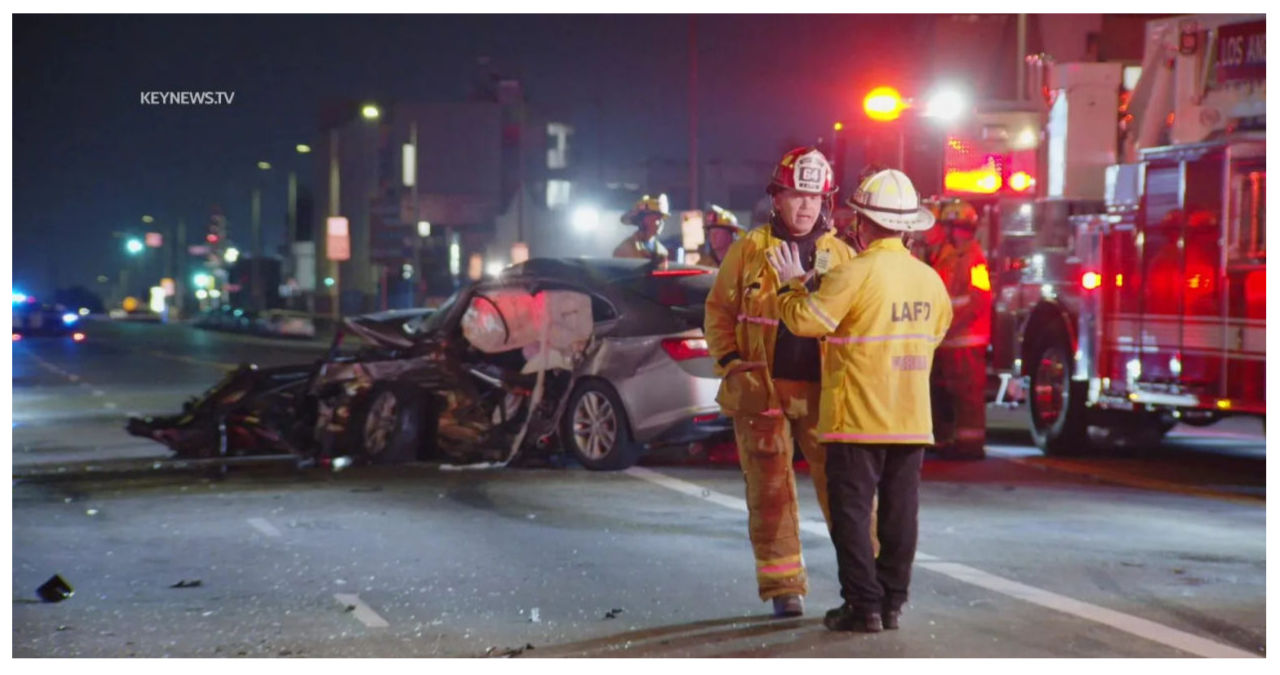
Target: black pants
854,474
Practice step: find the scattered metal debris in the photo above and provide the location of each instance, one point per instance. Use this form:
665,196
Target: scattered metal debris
188,583
613,613
56,589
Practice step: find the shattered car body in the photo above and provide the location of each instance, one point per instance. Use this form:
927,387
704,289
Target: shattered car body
597,358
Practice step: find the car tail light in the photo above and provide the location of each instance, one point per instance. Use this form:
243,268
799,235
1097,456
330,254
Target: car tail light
710,417
683,349
78,337
1090,280
678,273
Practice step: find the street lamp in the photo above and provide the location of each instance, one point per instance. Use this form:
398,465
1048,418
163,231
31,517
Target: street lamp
585,218
232,255
370,111
148,219
134,246
303,148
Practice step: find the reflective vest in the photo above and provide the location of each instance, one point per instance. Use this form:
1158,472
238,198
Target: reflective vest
741,321
969,284
880,316
634,247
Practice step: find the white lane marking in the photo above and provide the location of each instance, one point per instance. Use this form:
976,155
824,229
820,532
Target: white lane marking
261,525
1133,625
1150,630
187,359
109,405
816,527
364,613
99,392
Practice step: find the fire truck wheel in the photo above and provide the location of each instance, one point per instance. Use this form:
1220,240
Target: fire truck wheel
1058,414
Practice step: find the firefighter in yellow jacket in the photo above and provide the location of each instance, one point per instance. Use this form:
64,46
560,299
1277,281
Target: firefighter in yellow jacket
772,378
720,229
648,215
881,316
960,417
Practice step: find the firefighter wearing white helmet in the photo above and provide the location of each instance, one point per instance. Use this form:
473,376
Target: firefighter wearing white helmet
648,215
960,369
881,316
720,229
773,378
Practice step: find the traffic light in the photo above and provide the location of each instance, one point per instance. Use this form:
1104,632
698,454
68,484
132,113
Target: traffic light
883,104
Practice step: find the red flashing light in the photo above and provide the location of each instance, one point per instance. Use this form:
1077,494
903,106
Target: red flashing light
1090,280
711,417
679,273
77,337
883,104
1021,181
211,238
683,349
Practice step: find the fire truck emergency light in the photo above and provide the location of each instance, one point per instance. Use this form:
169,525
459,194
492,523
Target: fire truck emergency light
883,104
1021,181
1090,280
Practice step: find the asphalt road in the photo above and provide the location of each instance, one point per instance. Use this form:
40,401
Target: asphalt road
1156,554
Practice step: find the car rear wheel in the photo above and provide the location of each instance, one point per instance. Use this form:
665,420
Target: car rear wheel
594,428
389,425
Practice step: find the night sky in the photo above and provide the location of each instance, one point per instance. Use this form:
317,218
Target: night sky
90,159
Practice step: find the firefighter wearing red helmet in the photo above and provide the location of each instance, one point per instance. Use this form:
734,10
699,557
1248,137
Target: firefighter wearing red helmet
960,372
720,229
772,378
648,215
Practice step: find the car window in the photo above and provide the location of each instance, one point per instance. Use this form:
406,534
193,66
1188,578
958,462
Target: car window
436,319
677,290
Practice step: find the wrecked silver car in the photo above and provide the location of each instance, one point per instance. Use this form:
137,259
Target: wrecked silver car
597,358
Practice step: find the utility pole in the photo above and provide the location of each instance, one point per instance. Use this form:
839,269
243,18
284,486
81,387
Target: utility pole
1020,58
418,276
255,269
180,276
335,184
693,112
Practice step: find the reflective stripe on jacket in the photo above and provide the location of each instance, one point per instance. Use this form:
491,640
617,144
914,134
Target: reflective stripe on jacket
742,317
882,315
972,305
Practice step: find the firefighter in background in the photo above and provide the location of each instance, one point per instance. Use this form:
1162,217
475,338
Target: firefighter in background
773,379
960,366
720,229
648,215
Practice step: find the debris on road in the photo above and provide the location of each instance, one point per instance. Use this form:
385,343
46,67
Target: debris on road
497,653
188,583
613,613
56,589
533,616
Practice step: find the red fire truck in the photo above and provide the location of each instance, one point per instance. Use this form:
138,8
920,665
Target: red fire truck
1125,223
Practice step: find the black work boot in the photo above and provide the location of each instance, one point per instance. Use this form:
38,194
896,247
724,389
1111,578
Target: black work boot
889,617
846,618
